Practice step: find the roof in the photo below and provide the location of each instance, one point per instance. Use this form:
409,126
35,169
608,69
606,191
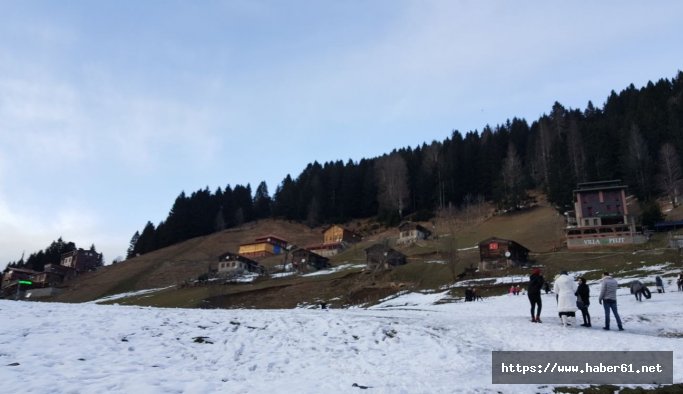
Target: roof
24,270
503,240
600,185
270,236
236,256
330,245
378,248
413,225
341,227
308,253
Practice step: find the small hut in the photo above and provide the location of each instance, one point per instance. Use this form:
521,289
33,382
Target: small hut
235,264
499,253
410,232
381,256
303,259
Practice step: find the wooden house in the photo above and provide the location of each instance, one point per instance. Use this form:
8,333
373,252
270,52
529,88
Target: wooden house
381,256
303,260
12,275
498,253
335,239
338,234
268,245
52,275
81,260
410,232
232,264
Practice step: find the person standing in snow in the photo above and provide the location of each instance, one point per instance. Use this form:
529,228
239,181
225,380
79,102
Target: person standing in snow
565,288
583,301
534,293
679,282
660,284
608,299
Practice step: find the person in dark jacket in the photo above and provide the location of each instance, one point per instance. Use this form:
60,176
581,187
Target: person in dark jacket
660,284
583,301
534,293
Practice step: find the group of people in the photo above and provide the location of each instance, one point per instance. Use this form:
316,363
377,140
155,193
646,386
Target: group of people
515,290
472,295
571,297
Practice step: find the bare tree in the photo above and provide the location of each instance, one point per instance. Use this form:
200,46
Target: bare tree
392,181
544,145
575,150
432,164
669,177
513,178
638,159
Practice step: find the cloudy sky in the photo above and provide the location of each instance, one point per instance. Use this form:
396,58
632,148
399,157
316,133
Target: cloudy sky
108,110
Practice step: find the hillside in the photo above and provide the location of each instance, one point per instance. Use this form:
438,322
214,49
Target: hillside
539,228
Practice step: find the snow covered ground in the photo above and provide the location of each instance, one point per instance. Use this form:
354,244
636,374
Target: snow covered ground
406,344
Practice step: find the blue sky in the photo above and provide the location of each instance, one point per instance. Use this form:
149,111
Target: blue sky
108,110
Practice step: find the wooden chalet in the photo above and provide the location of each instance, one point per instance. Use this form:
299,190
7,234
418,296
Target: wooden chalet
81,260
52,275
381,256
601,217
232,263
12,275
303,260
337,234
335,240
410,232
268,245
498,253
11,278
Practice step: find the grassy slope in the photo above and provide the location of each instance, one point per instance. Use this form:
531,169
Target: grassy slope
539,229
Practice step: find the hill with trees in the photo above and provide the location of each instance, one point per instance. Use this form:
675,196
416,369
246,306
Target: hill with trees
50,255
636,136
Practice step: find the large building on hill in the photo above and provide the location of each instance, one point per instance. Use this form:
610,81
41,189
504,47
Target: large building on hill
81,260
268,245
601,217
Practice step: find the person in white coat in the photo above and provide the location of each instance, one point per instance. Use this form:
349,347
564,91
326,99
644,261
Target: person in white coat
565,288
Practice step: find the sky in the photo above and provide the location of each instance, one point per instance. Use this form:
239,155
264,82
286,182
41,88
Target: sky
410,343
108,110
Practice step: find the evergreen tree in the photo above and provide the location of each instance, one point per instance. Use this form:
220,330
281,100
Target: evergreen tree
130,253
262,202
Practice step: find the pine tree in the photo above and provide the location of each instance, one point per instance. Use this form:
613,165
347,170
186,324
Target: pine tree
130,253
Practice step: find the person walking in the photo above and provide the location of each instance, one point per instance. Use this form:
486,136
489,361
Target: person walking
679,282
565,289
583,301
608,299
660,284
534,293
